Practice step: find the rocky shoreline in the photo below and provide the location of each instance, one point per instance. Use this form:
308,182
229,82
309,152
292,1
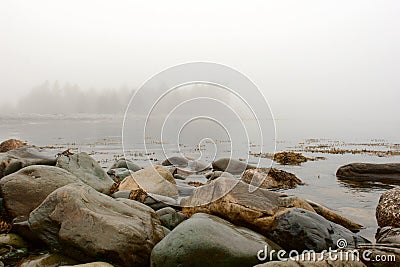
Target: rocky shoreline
64,209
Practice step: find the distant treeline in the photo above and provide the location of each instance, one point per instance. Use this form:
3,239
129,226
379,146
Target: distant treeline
51,98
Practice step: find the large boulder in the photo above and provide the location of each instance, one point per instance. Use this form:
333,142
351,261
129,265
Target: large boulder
240,204
206,240
154,179
19,158
26,189
87,170
388,209
233,166
11,144
299,229
87,225
384,172
270,178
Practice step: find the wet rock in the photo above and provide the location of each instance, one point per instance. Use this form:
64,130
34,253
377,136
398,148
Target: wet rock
270,178
154,179
46,260
176,161
206,240
335,217
388,209
169,217
87,170
126,164
231,199
154,201
26,189
338,259
118,174
384,172
388,235
299,229
86,224
232,166
213,175
19,158
11,144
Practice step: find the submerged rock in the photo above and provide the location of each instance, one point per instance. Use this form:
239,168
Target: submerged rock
270,178
335,217
87,225
19,158
299,229
232,166
388,209
236,202
206,240
367,172
154,179
11,144
26,189
88,171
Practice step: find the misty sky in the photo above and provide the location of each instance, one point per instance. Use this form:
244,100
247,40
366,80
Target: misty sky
310,58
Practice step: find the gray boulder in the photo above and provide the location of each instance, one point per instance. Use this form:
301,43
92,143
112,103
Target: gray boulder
169,217
87,225
87,170
25,190
206,240
299,229
232,166
126,164
19,158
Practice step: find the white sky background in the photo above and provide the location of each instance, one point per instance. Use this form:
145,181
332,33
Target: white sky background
310,58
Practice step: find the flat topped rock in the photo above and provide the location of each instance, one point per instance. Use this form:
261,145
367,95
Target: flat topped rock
382,172
240,203
232,166
19,158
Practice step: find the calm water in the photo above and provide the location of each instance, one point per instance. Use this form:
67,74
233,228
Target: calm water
101,137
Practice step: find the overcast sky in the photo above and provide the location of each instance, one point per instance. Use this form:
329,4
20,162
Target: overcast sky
310,58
